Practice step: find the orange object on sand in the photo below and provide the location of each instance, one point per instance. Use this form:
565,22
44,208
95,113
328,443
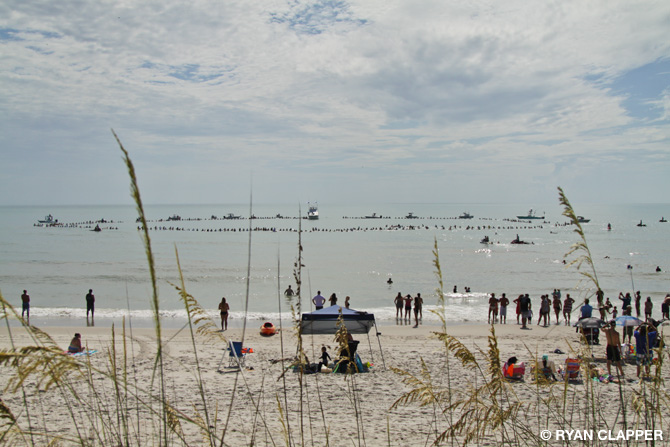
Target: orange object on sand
268,329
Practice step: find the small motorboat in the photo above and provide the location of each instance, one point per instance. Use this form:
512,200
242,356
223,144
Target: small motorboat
411,216
466,216
641,224
268,329
663,219
231,216
582,219
373,216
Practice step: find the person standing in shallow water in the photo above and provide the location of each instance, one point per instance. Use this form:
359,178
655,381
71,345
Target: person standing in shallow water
90,304
223,310
25,304
398,305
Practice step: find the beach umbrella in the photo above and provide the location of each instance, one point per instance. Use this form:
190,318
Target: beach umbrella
627,320
591,322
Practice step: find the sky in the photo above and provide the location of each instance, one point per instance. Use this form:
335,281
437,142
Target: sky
370,101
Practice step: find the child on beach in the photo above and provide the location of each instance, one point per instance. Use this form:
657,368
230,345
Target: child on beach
324,359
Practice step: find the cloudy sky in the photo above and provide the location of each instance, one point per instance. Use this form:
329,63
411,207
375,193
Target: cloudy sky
333,101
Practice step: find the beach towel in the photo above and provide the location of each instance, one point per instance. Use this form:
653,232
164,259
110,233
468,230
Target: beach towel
76,354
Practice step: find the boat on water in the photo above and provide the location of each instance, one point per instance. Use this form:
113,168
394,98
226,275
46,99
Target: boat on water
231,216
662,219
641,224
485,240
373,216
582,219
466,216
174,217
313,211
531,215
411,216
48,220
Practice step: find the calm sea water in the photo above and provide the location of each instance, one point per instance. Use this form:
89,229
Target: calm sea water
343,254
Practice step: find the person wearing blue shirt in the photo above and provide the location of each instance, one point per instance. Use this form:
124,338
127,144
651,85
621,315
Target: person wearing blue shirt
587,309
645,340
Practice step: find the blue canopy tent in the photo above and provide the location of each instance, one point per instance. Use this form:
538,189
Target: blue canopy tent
324,321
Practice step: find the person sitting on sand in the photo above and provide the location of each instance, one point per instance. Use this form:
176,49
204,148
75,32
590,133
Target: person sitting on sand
508,370
75,344
548,368
324,359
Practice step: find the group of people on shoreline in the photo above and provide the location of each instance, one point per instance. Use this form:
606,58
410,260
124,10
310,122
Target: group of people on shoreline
90,306
497,312
405,302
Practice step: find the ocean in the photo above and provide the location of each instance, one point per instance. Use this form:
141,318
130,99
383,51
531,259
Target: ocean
343,253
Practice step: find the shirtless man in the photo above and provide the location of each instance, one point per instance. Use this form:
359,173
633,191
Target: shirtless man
504,302
613,349
25,302
493,308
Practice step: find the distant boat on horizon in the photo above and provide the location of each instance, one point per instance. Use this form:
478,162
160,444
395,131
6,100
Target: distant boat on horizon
582,219
373,216
531,215
411,216
48,220
466,216
312,211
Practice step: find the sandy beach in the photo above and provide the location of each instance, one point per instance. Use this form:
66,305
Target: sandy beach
336,409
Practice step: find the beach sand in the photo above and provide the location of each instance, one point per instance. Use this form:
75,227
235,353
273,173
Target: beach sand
336,409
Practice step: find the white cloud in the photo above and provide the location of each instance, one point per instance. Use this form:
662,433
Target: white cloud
367,91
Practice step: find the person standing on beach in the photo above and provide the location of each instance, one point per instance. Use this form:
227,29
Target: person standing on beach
638,299
418,304
518,308
525,307
567,309
318,300
90,304
408,306
398,305
493,308
333,299
544,310
224,308
645,340
648,306
625,300
25,304
613,350
504,302
557,307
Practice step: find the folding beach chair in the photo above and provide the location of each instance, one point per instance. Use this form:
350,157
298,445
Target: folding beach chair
237,354
573,370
